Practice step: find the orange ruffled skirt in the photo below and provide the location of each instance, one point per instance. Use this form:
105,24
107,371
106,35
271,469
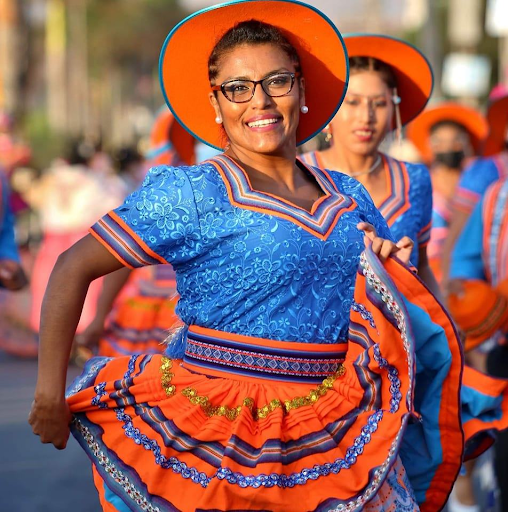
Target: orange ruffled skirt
244,423
140,325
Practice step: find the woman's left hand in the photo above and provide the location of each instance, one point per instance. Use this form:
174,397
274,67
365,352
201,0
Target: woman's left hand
386,248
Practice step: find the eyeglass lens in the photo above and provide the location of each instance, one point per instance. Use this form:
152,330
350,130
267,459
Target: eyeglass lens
273,85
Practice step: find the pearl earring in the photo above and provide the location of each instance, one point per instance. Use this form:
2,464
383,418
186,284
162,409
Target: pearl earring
304,109
218,120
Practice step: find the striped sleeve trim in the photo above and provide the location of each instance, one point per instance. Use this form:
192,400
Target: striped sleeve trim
424,235
466,200
121,241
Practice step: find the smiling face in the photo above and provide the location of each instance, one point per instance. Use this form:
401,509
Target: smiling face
263,125
366,115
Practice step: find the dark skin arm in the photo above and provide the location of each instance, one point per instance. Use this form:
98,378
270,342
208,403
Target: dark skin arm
75,269
113,284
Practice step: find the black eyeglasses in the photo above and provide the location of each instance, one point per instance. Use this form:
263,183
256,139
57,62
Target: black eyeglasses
241,91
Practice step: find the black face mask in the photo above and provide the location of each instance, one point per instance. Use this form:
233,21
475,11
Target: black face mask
452,159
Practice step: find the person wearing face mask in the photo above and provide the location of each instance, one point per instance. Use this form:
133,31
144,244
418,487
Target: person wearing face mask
136,309
475,180
316,371
391,82
447,136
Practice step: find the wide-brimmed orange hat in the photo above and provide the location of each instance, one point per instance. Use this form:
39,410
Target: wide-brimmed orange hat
418,131
412,70
183,65
480,311
169,137
497,117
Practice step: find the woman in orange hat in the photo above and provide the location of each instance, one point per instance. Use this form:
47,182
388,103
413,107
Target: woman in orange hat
482,173
391,82
144,316
296,380
479,295
446,136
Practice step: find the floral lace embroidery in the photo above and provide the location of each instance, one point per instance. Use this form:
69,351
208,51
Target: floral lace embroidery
245,271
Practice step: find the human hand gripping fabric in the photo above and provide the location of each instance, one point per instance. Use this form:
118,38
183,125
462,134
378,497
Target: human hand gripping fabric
50,421
385,248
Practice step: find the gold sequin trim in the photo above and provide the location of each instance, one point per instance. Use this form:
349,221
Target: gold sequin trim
165,368
231,413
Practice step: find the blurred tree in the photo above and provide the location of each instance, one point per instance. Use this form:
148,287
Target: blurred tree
129,33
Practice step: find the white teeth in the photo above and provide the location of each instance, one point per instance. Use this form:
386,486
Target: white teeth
364,133
262,122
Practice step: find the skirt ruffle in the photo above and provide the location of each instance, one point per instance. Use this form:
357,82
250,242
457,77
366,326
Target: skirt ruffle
140,325
164,437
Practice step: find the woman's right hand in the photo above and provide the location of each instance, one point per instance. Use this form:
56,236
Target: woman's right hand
50,421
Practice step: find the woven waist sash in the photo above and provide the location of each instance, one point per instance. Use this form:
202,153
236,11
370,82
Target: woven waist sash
219,351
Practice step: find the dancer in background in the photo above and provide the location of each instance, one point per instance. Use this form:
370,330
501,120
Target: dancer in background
479,176
448,136
478,299
391,82
67,198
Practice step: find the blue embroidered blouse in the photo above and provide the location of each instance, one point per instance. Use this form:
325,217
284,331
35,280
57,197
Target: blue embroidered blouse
246,261
407,208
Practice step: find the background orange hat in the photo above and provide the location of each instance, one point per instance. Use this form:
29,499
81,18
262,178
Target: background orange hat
169,137
480,311
183,64
497,117
411,68
418,131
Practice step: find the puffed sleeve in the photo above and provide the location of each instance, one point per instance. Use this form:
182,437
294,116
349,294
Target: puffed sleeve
8,248
156,224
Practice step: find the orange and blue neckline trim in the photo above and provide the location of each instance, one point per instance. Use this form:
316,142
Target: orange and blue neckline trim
319,221
396,201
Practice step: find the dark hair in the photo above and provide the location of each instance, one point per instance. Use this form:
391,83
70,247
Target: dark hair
250,32
372,64
446,122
